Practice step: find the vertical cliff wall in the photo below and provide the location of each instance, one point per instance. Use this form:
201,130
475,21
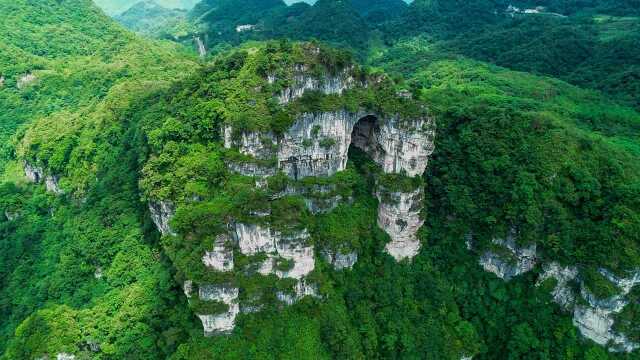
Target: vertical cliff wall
309,153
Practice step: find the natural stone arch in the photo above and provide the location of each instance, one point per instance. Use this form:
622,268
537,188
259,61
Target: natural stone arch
317,143
363,135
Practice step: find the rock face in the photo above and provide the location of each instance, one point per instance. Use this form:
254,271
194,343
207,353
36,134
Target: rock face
317,145
519,260
221,257
218,323
595,320
255,239
399,216
340,260
11,216
161,213
26,80
397,149
301,289
202,50
592,316
562,292
302,81
37,175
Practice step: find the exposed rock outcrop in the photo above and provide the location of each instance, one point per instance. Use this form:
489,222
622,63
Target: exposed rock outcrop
11,215
217,323
161,213
317,144
221,257
254,239
399,216
37,175
26,80
300,290
340,260
303,80
562,293
52,184
202,50
594,317
514,260
595,320
394,147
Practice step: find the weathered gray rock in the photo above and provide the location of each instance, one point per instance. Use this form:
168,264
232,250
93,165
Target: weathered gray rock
221,257
33,173
253,239
595,320
317,144
301,289
161,213
256,144
295,248
26,80
397,148
37,175
202,50
519,259
340,260
562,292
399,216
11,215
98,273
303,80
224,322
187,288
593,317
52,184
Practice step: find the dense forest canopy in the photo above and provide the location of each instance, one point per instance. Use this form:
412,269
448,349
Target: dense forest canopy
537,139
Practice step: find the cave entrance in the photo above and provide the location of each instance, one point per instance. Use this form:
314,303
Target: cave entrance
364,141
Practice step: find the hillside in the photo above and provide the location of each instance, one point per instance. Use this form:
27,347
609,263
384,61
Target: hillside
153,20
343,180
116,7
58,254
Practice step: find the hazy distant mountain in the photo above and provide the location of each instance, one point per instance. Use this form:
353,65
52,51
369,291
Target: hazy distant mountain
149,18
113,7
289,2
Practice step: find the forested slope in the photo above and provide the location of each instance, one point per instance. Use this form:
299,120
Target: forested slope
107,123
72,266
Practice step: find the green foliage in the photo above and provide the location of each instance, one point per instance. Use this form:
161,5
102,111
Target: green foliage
125,121
599,285
516,151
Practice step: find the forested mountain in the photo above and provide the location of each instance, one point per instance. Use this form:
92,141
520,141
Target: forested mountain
153,20
347,179
116,7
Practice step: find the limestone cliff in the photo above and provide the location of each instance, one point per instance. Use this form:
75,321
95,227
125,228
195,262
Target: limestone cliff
303,80
305,158
37,175
509,259
399,216
593,317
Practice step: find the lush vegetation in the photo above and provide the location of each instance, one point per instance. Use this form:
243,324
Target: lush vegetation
124,121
